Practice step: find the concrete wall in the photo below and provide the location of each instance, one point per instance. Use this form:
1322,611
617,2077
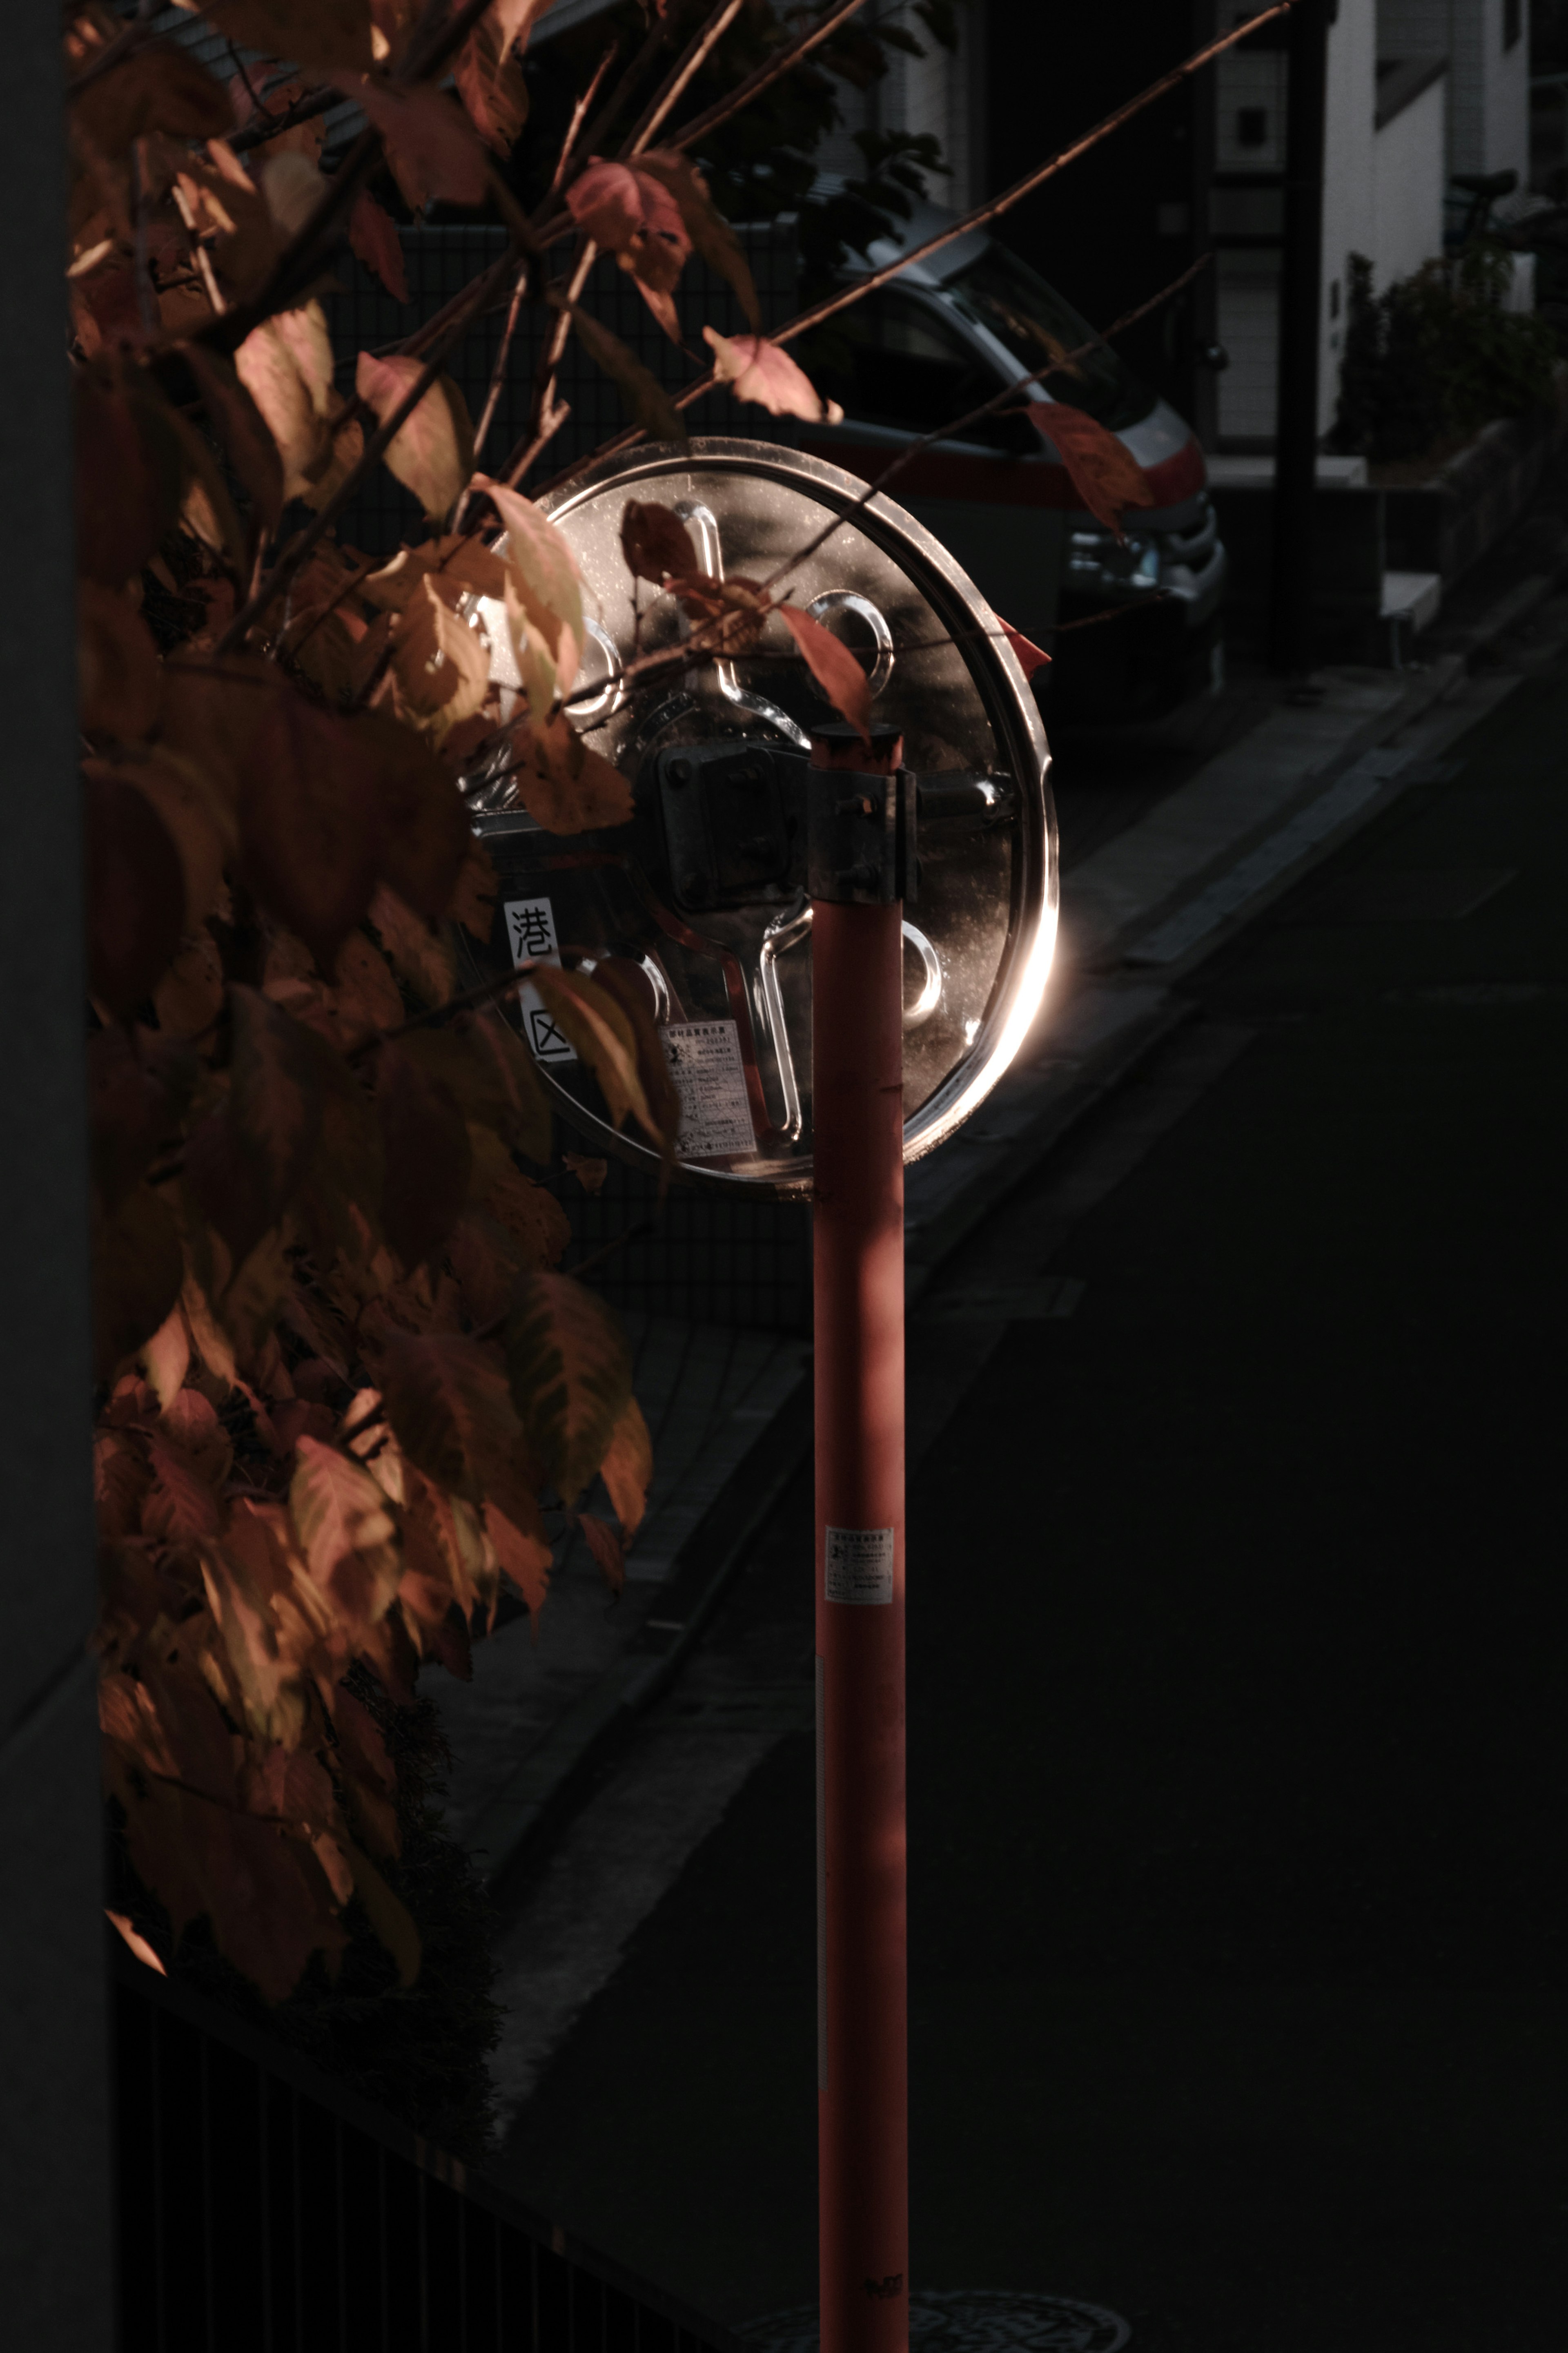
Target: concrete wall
1409,171
55,2271
1488,108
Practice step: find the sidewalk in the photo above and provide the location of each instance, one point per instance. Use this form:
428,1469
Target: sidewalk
729,1411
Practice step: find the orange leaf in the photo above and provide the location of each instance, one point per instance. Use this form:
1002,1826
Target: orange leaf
834,667
526,1559
121,682
1028,657
627,1468
334,34
764,374
1104,472
432,452
427,1156
431,145
374,239
655,543
607,1548
135,890
137,1942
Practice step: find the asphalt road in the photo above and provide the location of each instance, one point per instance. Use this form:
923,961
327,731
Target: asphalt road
1236,1655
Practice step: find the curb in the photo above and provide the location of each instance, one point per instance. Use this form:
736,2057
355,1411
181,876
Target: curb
1115,1022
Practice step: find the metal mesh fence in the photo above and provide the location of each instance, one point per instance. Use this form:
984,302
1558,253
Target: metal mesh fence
440,261
262,2209
745,1261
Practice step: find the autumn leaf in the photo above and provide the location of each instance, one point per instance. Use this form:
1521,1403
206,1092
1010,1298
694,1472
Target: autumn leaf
763,373
129,472
139,1084
430,144
137,1272
490,83
280,366
564,783
1028,657
544,572
426,1142
473,900
135,891
590,1174
441,665
532,1215
569,1373
488,1073
655,543
627,1468
246,1161
598,1027
732,611
607,1548
432,452
420,956
246,439
333,35
119,682
159,88
526,1559
620,205
648,403
1104,472
374,239
834,667
710,234
387,1914
346,1531
626,981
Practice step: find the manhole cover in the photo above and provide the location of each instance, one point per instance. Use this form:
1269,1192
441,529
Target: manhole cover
962,2320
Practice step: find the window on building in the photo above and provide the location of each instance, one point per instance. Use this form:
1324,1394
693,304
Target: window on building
1513,22
1252,126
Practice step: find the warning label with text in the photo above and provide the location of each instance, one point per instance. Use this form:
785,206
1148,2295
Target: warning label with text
857,1564
704,1060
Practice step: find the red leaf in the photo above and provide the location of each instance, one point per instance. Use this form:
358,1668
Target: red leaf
432,452
135,891
1104,474
311,825
424,833
374,239
428,1157
616,204
240,427
605,1547
1029,656
655,543
246,1161
129,473
762,372
834,667
431,145
120,681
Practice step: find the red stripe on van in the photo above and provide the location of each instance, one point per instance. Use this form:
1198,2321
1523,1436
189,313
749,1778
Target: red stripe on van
1001,481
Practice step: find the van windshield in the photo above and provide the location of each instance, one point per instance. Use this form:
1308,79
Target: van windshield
1000,293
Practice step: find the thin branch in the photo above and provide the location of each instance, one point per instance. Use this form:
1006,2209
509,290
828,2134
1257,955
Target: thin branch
604,120
664,100
498,374
757,81
547,415
266,127
608,1249
569,144
484,995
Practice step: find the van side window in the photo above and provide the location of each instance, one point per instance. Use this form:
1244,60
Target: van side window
892,360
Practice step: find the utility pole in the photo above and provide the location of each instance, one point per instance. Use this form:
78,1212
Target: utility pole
1300,328
861,863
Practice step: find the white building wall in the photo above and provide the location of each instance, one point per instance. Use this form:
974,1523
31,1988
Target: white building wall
1350,200
1409,171
1488,102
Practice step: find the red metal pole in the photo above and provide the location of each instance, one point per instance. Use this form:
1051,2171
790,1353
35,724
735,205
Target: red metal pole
859,1283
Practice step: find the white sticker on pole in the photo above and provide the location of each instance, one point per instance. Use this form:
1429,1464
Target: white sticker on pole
704,1060
531,930
857,1564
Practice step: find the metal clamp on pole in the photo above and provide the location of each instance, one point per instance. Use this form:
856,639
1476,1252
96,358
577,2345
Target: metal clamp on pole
861,819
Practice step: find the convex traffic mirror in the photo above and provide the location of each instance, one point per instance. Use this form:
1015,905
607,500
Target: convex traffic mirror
706,890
